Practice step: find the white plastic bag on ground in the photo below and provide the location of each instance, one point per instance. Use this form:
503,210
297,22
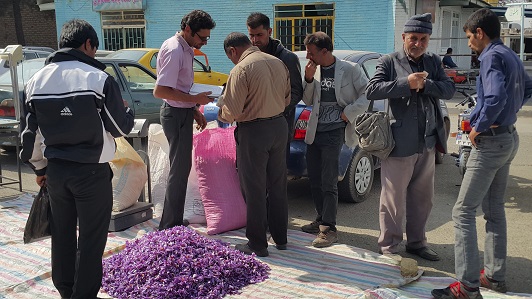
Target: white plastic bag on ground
129,175
160,167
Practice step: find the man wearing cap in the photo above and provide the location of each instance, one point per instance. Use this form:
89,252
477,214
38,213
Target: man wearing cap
413,80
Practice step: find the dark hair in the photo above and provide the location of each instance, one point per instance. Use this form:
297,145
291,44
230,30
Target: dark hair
236,39
486,20
257,19
197,20
319,39
449,50
76,32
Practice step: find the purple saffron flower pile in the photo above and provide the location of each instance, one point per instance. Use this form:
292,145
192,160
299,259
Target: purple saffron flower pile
179,263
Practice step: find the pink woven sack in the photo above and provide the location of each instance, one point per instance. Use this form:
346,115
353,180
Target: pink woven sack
215,158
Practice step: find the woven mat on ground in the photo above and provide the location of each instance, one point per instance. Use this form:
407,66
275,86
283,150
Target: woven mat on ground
302,271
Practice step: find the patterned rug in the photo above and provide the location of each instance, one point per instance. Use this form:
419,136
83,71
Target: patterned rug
302,271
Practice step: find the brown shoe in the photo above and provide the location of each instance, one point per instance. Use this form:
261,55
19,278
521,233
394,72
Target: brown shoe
312,228
325,238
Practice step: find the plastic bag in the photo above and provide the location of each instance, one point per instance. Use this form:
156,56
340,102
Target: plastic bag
38,223
130,174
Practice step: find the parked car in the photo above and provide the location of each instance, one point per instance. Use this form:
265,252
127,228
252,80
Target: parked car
27,53
103,53
148,58
136,85
38,48
356,167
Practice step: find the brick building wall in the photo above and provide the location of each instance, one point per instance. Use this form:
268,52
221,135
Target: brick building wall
39,26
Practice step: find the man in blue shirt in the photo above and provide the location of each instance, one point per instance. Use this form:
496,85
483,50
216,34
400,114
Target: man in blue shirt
503,87
447,60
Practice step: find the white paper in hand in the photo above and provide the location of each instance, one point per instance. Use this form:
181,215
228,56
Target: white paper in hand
199,88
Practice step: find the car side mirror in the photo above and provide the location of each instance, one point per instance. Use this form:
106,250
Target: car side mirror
208,69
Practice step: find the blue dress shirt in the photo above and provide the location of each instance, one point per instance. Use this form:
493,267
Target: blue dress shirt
503,87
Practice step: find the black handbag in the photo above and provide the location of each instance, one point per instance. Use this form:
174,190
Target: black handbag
38,223
374,132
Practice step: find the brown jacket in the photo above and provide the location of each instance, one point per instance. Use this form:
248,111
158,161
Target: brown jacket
258,87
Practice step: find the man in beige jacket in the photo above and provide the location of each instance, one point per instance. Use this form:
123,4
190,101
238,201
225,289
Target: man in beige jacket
332,90
257,92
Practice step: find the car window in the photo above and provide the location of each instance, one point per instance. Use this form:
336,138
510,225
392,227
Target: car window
137,78
153,61
109,68
371,66
43,55
134,55
198,66
29,55
25,71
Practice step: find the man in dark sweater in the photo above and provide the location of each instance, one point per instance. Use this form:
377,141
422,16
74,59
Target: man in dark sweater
259,33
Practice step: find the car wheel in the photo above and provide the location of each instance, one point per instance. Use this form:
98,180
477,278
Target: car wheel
439,156
358,178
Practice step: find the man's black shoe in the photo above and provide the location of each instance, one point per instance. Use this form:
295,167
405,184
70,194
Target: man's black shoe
280,246
248,250
424,252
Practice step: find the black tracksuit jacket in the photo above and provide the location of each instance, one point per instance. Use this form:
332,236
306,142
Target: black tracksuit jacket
73,111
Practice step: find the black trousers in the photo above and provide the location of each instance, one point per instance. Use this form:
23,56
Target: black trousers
177,126
261,156
79,191
322,167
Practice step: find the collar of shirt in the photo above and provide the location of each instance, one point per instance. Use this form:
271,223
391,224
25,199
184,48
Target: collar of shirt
492,44
183,43
247,52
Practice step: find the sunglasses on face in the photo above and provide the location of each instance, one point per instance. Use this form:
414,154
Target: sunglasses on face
203,38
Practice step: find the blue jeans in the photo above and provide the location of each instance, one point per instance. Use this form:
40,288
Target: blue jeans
484,184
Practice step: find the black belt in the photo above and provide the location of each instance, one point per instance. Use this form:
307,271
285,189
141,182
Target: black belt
260,119
498,130
165,104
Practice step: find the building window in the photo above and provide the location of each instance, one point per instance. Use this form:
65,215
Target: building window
451,31
294,21
123,29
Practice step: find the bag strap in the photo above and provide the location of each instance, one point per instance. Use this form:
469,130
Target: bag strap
370,107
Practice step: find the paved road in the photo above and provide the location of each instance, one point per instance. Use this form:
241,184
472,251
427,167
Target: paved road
358,223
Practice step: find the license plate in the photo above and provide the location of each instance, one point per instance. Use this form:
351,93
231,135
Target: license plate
463,139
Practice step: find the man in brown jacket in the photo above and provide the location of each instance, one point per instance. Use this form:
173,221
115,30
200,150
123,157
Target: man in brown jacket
257,92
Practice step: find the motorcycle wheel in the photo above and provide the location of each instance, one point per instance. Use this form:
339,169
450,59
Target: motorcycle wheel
462,161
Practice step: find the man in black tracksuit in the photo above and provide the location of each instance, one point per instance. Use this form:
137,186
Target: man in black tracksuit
73,111
259,33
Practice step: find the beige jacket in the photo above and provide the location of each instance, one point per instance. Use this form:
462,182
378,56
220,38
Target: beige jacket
350,84
258,87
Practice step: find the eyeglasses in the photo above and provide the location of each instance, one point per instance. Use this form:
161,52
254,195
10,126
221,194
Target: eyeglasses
203,38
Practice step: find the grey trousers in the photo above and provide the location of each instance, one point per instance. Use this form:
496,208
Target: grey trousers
407,191
177,126
261,157
484,184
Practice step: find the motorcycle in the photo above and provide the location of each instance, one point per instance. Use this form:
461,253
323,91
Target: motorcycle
464,128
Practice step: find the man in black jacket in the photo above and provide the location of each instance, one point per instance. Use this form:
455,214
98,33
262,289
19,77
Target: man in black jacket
413,80
74,110
259,33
